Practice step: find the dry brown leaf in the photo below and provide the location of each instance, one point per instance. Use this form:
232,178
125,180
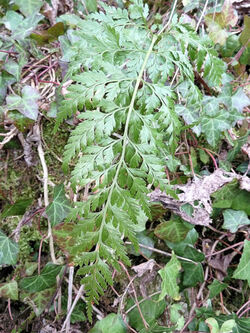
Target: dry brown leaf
197,194
144,267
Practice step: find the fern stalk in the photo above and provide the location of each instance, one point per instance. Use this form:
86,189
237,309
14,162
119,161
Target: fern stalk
115,49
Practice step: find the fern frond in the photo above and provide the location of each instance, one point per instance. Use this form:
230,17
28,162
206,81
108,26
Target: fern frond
129,124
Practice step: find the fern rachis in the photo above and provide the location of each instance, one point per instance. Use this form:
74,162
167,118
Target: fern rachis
129,127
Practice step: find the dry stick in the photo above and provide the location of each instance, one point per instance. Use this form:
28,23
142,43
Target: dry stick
35,64
223,250
191,317
143,300
243,306
45,191
246,310
83,298
79,294
121,303
70,284
136,299
162,252
46,203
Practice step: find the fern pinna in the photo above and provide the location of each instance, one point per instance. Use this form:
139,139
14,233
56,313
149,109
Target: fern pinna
121,72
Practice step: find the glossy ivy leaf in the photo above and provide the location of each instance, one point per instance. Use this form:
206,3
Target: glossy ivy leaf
216,287
26,104
237,147
169,276
17,208
233,219
45,280
240,100
231,46
29,7
174,230
226,327
213,125
37,301
151,310
193,274
244,36
58,210
243,270
145,240
9,290
49,35
176,316
8,250
241,202
224,196
11,20
217,22
111,323
26,26
12,67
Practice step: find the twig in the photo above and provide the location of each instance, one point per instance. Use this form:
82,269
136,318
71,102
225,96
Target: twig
143,300
35,64
136,299
59,283
122,300
9,309
162,252
8,52
70,284
79,294
246,310
170,18
8,136
223,250
45,190
99,313
201,17
243,306
39,254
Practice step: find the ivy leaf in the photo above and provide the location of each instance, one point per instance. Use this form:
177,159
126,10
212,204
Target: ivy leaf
26,27
193,273
216,287
244,36
212,126
45,280
234,218
8,250
151,310
28,7
26,104
169,276
174,230
241,202
11,20
243,270
12,67
60,207
39,300
9,290
18,208
240,100
219,21
111,323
